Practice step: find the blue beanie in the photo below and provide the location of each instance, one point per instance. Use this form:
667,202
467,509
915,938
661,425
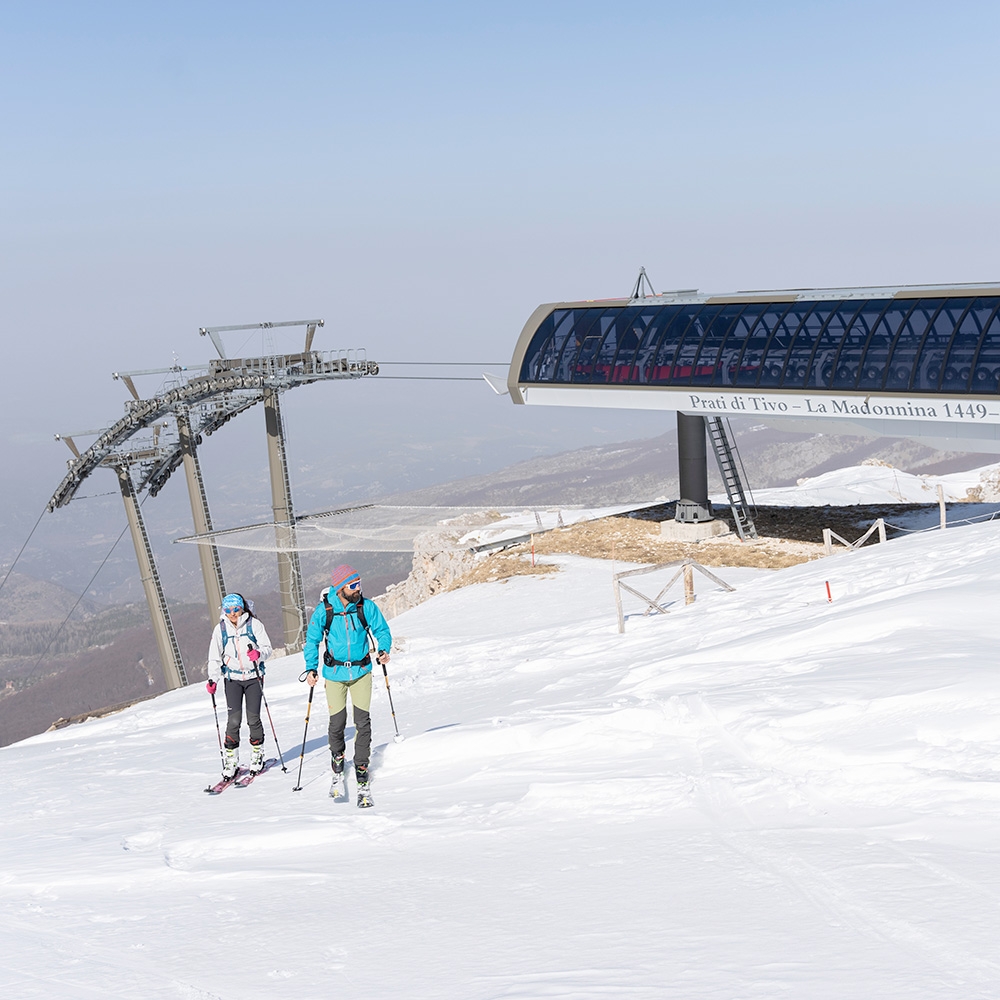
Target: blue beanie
231,603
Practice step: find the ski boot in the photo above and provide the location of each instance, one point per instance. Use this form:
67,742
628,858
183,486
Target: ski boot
230,762
364,789
256,758
338,787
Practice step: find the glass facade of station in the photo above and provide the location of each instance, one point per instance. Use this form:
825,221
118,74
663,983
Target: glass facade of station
887,345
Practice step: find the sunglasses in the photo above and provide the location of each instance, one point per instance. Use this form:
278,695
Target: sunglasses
353,586
230,609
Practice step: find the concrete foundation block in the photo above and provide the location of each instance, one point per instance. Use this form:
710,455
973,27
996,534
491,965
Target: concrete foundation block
678,531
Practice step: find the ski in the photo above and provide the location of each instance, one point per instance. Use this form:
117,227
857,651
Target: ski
221,786
338,787
248,776
365,800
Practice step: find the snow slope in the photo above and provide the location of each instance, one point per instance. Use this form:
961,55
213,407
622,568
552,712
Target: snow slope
762,795
872,484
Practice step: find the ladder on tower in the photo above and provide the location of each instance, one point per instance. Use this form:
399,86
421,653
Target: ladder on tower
730,468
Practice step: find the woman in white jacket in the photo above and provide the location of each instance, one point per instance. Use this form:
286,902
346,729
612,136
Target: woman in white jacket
237,654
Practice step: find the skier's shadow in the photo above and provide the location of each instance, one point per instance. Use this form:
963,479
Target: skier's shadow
317,743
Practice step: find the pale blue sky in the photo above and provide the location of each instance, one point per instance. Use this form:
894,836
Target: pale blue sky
423,175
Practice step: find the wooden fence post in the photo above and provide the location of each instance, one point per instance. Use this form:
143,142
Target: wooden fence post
618,605
685,569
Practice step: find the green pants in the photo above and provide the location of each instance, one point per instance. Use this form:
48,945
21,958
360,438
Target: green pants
361,698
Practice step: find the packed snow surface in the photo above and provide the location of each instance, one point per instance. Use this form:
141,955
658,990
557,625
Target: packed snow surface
764,794
877,484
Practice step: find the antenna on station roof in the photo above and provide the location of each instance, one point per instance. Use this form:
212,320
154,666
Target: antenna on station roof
642,284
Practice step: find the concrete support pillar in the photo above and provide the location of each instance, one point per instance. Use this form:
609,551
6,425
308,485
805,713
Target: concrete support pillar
211,566
692,462
289,571
163,630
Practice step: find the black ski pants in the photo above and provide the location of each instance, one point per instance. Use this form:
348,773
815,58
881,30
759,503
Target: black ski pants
236,692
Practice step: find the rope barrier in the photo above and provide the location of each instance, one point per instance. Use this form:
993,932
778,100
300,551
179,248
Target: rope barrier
935,527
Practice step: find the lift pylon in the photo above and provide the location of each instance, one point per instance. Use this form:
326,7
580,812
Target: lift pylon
211,566
163,629
289,569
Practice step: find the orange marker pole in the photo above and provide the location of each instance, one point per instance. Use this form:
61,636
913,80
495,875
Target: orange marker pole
829,596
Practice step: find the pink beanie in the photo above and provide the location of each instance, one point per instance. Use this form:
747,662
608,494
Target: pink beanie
344,575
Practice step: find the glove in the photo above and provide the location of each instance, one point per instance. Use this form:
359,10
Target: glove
253,655
210,687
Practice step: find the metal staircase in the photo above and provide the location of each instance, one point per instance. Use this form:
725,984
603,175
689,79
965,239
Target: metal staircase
730,468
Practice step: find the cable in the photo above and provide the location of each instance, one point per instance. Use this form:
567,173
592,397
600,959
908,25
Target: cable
58,631
431,378
28,539
451,364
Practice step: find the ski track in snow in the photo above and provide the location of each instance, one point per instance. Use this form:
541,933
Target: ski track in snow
762,795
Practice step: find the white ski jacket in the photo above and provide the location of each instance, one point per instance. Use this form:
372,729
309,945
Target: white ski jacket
227,652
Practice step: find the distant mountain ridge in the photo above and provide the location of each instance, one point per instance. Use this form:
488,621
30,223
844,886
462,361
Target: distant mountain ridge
26,599
647,469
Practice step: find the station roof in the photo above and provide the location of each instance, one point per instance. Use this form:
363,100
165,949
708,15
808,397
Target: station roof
688,295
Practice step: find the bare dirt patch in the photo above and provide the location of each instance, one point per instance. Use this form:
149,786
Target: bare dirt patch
501,566
788,536
634,540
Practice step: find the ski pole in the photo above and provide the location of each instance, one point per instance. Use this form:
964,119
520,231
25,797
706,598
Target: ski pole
260,681
218,731
385,673
398,737
302,756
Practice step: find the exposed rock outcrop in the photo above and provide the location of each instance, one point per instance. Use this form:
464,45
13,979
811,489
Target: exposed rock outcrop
438,562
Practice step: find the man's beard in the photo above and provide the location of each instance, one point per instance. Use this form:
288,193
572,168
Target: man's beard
354,596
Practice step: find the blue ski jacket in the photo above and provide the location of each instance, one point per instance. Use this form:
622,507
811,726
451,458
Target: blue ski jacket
347,642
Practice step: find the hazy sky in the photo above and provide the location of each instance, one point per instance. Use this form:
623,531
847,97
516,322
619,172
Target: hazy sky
423,175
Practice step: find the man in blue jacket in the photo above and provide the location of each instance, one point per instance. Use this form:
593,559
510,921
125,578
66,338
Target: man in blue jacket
344,617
